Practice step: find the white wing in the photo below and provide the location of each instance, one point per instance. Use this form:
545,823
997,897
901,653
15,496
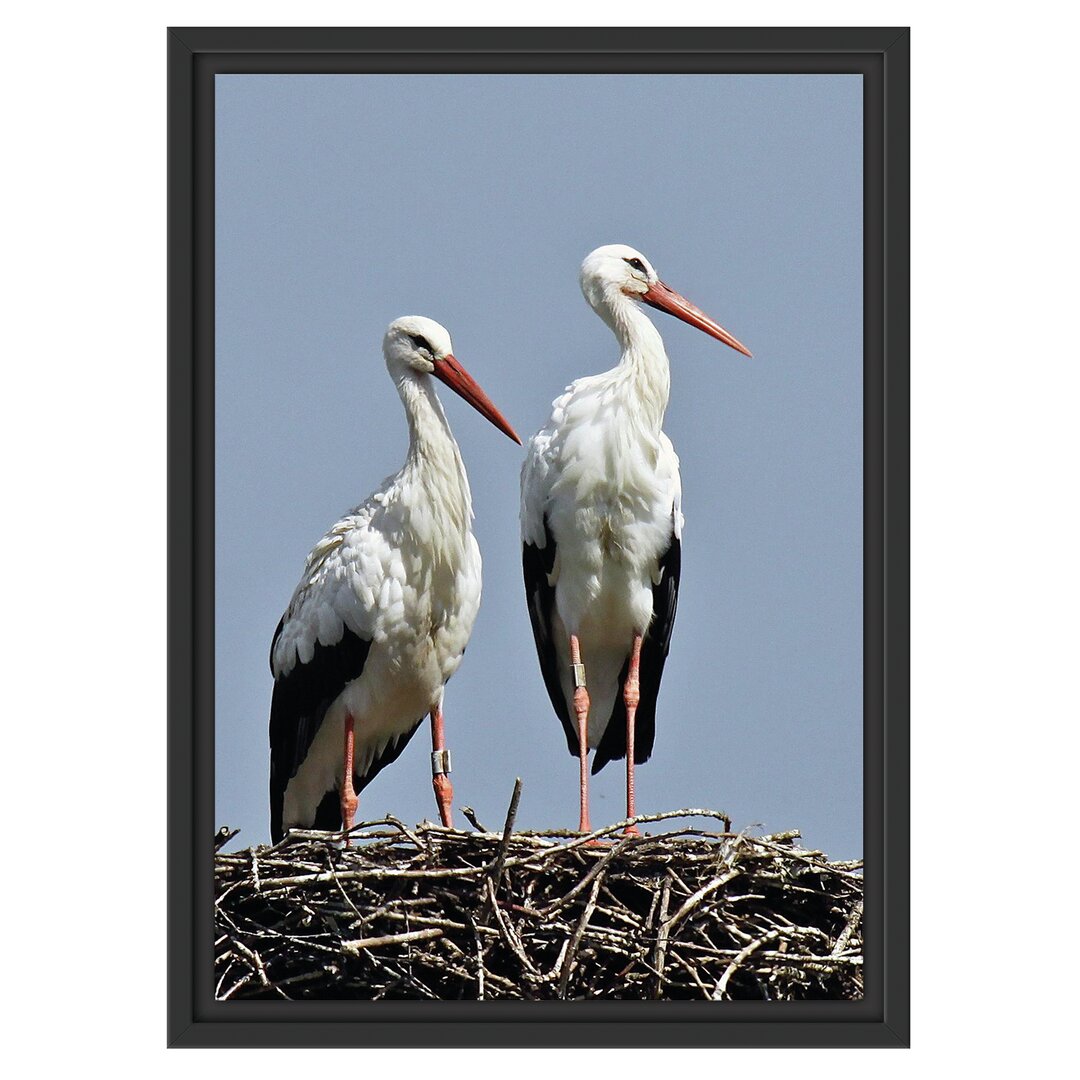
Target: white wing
676,479
352,578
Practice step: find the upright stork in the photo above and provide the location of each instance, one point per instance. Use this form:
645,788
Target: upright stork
383,611
601,526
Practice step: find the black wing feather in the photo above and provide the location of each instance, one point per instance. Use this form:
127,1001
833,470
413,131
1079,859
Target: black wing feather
536,563
654,650
300,702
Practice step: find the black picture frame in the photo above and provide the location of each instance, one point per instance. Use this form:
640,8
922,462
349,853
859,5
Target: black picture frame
881,55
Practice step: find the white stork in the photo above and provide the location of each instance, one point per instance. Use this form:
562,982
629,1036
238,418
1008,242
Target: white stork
383,611
601,526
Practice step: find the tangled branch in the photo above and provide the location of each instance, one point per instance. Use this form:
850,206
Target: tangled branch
435,913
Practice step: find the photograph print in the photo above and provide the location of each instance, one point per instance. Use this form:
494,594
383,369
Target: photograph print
538,537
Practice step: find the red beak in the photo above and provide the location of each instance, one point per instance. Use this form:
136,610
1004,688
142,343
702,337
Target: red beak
449,371
664,298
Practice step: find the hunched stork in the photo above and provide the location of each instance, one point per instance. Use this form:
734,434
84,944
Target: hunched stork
601,526
383,611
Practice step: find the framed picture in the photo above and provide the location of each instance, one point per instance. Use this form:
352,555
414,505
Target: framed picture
325,183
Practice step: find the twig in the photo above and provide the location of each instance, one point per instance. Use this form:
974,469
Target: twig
662,937
470,816
223,836
571,952
508,827
750,949
360,944
845,935
700,895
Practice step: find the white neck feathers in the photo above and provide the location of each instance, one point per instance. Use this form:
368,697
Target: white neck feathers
433,464
643,372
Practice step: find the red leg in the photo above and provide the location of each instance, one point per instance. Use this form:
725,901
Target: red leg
440,768
581,709
631,697
349,801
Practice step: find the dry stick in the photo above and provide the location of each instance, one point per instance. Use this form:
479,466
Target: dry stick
508,828
361,944
676,879
376,874
470,815
344,895
662,938
571,953
621,913
446,924
508,931
552,975
221,980
688,968
348,900
479,958
236,986
223,836
849,929
255,960
296,837
418,843
638,819
721,986
700,895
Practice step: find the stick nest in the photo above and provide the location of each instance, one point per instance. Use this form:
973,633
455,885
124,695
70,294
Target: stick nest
444,914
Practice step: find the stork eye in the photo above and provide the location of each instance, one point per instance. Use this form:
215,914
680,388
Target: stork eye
637,264
421,343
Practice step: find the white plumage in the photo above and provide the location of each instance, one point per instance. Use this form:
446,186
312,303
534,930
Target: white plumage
606,480
385,605
601,523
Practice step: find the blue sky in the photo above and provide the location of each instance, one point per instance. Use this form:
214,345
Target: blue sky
345,201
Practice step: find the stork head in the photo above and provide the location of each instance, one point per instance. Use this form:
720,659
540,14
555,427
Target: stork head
615,271
420,347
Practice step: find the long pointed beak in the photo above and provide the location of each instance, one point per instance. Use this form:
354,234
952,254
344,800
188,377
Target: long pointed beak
450,371
665,298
